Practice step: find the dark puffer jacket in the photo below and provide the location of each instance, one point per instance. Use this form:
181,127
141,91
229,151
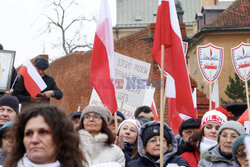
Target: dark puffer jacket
169,157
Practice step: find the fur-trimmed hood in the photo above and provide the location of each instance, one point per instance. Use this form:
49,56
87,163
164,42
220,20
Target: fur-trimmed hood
168,155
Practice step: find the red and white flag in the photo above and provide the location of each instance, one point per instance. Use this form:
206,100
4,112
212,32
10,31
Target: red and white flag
102,61
153,106
244,117
215,95
167,33
33,82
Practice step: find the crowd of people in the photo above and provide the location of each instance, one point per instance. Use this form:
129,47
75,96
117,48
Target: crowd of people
42,135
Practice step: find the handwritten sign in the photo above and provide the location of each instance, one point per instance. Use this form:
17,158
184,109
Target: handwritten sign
210,60
131,84
241,60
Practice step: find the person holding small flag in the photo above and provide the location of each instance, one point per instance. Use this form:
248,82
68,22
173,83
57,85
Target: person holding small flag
24,91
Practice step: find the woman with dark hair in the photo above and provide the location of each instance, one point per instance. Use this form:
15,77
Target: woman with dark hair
44,136
97,139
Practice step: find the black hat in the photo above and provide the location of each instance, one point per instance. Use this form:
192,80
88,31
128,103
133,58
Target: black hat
121,115
1,47
75,115
190,123
152,131
42,63
10,101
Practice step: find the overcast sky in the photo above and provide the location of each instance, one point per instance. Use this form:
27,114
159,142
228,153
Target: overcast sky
20,24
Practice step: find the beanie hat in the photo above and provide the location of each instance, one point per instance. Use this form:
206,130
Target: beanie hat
143,119
42,63
4,128
231,125
218,115
10,101
152,131
120,114
237,143
103,111
190,123
133,121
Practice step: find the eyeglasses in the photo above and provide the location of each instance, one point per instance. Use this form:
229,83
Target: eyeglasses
241,155
94,117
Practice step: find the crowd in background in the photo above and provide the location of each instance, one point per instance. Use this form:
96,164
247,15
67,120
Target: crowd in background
43,135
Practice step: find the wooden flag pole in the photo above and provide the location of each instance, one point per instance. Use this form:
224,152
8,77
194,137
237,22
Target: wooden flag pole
162,107
246,85
116,123
210,90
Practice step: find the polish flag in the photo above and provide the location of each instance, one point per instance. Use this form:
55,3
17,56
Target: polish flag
244,117
102,61
33,82
167,32
215,95
153,106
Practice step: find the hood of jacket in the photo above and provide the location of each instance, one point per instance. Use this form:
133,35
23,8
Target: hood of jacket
213,154
168,155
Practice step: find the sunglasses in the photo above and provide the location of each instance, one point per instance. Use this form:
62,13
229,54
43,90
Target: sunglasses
241,155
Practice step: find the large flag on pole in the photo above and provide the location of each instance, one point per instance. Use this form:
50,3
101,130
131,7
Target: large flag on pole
33,82
102,61
167,32
215,95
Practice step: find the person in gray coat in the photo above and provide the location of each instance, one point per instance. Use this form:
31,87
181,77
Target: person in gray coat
221,154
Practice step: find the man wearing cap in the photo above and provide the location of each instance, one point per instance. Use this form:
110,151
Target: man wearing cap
75,118
120,119
8,109
41,65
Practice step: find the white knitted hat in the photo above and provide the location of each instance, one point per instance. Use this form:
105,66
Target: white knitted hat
216,116
133,121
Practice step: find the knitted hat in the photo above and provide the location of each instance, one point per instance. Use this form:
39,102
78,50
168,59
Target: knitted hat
4,128
237,143
121,115
190,123
218,115
103,111
42,63
10,101
133,121
231,125
152,131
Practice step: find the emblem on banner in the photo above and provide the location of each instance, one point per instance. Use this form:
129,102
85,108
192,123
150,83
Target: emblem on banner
210,60
241,60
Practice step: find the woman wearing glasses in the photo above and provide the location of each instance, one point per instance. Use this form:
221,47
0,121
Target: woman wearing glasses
127,138
221,154
97,139
239,150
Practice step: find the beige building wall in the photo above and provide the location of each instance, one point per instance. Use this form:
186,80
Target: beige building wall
124,32
209,2
227,40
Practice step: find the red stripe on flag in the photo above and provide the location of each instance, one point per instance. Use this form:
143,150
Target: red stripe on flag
154,111
244,117
29,83
100,75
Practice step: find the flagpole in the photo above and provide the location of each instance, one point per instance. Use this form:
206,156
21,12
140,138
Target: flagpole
162,107
14,82
115,115
246,86
210,89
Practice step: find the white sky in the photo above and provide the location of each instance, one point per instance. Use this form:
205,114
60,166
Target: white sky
21,21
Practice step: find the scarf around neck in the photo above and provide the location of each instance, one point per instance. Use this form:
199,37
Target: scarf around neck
25,162
206,144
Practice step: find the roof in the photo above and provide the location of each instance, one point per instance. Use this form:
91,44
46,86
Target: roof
136,13
237,15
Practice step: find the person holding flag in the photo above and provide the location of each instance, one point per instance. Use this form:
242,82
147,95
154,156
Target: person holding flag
28,88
